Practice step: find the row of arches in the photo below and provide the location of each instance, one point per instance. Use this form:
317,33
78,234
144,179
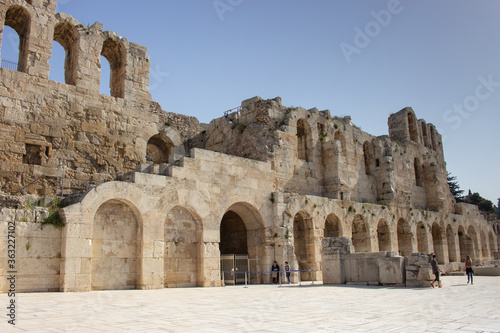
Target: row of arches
65,49
427,134
120,244
448,243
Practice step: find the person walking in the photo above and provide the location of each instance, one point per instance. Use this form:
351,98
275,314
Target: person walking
275,272
287,271
436,271
468,270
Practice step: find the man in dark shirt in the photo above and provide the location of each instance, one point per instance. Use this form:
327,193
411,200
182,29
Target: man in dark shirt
435,270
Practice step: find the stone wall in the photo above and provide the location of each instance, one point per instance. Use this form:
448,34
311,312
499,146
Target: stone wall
37,251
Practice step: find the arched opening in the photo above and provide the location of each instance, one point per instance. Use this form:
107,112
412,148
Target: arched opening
384,236
360,235
56,59
303,241
438,242
303,135
412,127
473,243
241,233
433,142
181,234
404,238
340,137
484,246
368,156
422,241
19,20
418,172
332,226
158,149
115,245
425,136
493,244
233,234
464,243
65,36
452,245
114,53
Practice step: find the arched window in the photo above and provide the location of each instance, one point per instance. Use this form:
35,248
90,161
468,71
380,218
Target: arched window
303,135
433,142
418,172
367,156
412,127
66,35
114,53
18,19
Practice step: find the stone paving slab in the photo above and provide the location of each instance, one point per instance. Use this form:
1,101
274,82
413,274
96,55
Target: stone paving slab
457,307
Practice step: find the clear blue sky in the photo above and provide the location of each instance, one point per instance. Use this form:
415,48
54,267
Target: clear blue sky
442,58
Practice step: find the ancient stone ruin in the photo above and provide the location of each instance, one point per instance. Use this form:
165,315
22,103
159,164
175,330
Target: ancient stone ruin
156,199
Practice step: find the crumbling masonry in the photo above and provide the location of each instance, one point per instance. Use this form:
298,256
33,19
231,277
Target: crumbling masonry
160,196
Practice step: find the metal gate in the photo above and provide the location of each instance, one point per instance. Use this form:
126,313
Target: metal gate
233,268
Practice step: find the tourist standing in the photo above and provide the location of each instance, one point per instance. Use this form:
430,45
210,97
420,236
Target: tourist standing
468,269
287,271
435,270
275,272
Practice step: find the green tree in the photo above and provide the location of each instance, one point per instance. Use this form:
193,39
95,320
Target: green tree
454,187
483,204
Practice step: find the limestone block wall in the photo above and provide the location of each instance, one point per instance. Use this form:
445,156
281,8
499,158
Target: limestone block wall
341,265
37,255
51,128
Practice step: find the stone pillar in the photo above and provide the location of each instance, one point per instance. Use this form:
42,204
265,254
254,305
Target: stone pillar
76,250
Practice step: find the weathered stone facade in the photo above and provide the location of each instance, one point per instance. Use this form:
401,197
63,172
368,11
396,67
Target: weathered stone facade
163,196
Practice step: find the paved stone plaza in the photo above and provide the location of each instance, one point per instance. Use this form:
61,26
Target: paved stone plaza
266,308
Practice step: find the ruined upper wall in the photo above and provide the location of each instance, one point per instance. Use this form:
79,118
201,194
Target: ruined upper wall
314,153
37,26
63,137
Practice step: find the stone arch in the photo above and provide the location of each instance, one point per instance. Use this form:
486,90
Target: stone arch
493,244
433,135
452,245
360,234
438,243
405,236
340,137
303,241
242,230
303,137
333,227
484,246
115,53
425,135
368,156
417,167
182,235
464,243
159,148
384,236
474,245
412,126
18,18
66,34
116,247
422,239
